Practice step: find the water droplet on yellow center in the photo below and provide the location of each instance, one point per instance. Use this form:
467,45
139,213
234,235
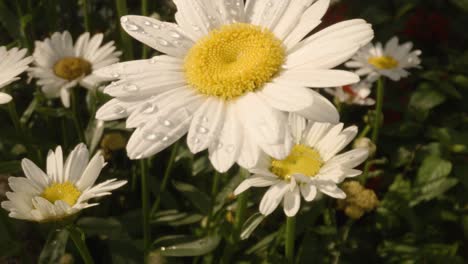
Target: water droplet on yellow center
233,60
66,192
302,160
70,68
383,62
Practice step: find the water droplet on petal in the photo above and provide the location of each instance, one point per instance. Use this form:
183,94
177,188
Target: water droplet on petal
151,136
130,88
163,42
120,110
167,123
174,34
165,139
202,130
149,108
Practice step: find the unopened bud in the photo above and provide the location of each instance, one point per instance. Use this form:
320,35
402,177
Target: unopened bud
367,144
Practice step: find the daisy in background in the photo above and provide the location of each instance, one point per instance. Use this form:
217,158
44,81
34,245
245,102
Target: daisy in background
357,94
12,64
61,65
391,61
63,191
312,166
231,73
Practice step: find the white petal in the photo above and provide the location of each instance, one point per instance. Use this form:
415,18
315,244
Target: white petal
165,37
116,109
287,98
224,153
33,173
308,191
272,198
292,202
255,181
5,98
23,185
317,78
265,124
76,163
91,172
349,159
157,134
206,124
308,21
266,13
331,189
315,133
290,17
321,110
250,152
201,16
231,11
297,126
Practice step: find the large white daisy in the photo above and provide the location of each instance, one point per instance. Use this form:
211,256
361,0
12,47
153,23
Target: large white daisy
231,73
12,64
391,61
61,65
357,94
312,166
63,191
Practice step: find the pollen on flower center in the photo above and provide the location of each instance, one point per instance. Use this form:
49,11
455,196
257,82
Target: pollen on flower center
70,68
302,160
383,62
66,192
233,60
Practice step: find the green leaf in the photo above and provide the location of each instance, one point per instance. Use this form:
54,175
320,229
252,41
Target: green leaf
251,224
227,190
175,218
199,199
93,226
198,247
423,100
54,248
10,167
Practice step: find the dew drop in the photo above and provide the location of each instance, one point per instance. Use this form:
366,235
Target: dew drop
151,136
174,34
115,75
149,108
165,139
130,88
120,110
167,123
131,27
163,42
202,130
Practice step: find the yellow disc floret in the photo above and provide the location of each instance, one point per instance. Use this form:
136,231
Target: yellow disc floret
233,60
66,192
383,62
70,68
302,160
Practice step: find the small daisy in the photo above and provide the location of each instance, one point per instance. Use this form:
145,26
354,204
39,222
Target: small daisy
12,63
357,94
60,65
231,73
63,191
391,61
312,166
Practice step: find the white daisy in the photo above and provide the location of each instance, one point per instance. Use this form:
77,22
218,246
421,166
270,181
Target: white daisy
61,65
312,166
231,73
391,61
63,191
353,94
12,63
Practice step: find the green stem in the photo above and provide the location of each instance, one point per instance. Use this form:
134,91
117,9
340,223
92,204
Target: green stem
145,204
167,174
344,238
378,110
87,20
126,40
78,238
377,123
214,190
144,12
364,132
14,117
76,115
290,236
241,208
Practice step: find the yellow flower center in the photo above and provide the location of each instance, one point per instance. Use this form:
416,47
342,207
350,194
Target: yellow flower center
383,62
233,60
66,192
302,160
70,68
